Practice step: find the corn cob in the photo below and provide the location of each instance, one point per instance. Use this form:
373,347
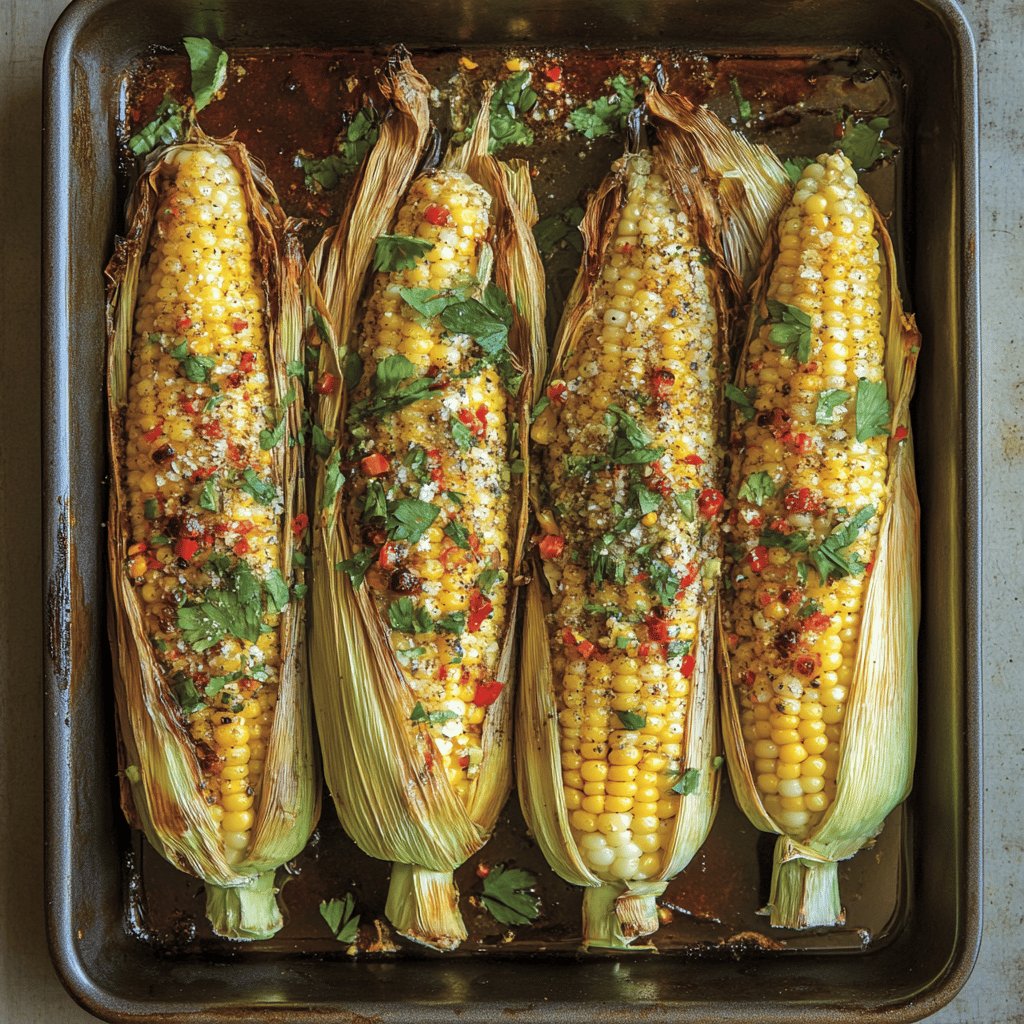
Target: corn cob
417,550
205,511
811,490
443,458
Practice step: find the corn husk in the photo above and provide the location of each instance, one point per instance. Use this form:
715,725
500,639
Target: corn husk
878,740
712,194
391,804
160,773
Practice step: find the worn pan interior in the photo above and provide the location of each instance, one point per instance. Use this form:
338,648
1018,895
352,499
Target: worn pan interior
930,954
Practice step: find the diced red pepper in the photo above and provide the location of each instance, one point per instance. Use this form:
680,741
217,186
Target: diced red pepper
241,548
693,460
187,405
901,433
782,526
558,392
709,502
807,664
235,379
437,215
210,430
375,464
244,527
688,577
764,599
442,672
481,415
151,435
758,558
798,442
299,524
479,609
643,650
238,325
186,547
749,678
657,628
235,454
553,73
626,248
247,362
327,384
585,649
203,474
687,665
661,383
183,323
817,623
450,552
387,557
733,640
551,546
487,693
464,761
803,500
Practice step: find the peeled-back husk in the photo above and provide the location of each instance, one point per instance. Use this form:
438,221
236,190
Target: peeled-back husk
616,915
160,773
393,806
878,740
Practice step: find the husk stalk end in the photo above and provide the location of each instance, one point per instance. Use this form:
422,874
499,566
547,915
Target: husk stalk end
245,912
423,905
614,916
804,893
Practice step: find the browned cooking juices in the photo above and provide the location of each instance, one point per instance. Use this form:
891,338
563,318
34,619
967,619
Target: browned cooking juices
282,102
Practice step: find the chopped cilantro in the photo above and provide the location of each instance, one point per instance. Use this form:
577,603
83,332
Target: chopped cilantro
399,252
356,566
341,918
409,618
828,402
507,898
863,142
261,490
606,114
873,409
829,558
757,488
631,720
209,66
166,127
791,330
186,694
210,496
689,779
743,400
196,368
458,534
409,518
743,107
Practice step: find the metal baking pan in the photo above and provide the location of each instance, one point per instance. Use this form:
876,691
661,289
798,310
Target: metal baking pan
126,932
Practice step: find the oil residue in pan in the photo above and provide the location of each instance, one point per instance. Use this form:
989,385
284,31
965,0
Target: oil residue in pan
282,101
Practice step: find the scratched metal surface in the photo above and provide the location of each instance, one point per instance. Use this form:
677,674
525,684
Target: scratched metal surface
29,991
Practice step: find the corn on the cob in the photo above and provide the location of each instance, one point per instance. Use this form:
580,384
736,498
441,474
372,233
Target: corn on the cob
203,501
414,606
811,490
634,576
443,461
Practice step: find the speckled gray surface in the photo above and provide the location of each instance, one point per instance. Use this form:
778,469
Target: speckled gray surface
29,990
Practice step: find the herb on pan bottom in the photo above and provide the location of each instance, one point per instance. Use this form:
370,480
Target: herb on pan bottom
341,918
506,897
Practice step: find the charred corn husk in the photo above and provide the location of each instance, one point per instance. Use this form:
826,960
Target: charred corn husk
418,546
617,735
212,701
820,619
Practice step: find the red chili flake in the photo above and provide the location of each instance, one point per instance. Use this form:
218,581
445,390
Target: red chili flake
551,546
247,362
183,323
210,430
660,383
203,474
816,623
474,544
186,547
220,529
803,500
327,384
151,435
693,460
782,526
487,693
709,502
798,442
248,684
901,433
437,475
553,73
242,547
437,215
479,609
235,380
558,392
807,664
687,665
239,325
758,558
299,524
235,454
375,464
657,628
447,554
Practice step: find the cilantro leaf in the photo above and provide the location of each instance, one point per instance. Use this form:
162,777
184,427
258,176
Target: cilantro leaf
795,541
828,402
795,167
210,496
321,443
743,106
356,141
863,142
333,479
689,779
461,435
428,302
234,610
743,400
396,384
185,693
166,127
486,580
209,65
687,502
351,369
507,898
631,720
409,518
757,488
399,252
420,716
409,618
873,409
453,622
356,566
512,98
271,438
341,918
829,558
791,330
559,227
196,368
277,591
607,113
261,490
458,534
